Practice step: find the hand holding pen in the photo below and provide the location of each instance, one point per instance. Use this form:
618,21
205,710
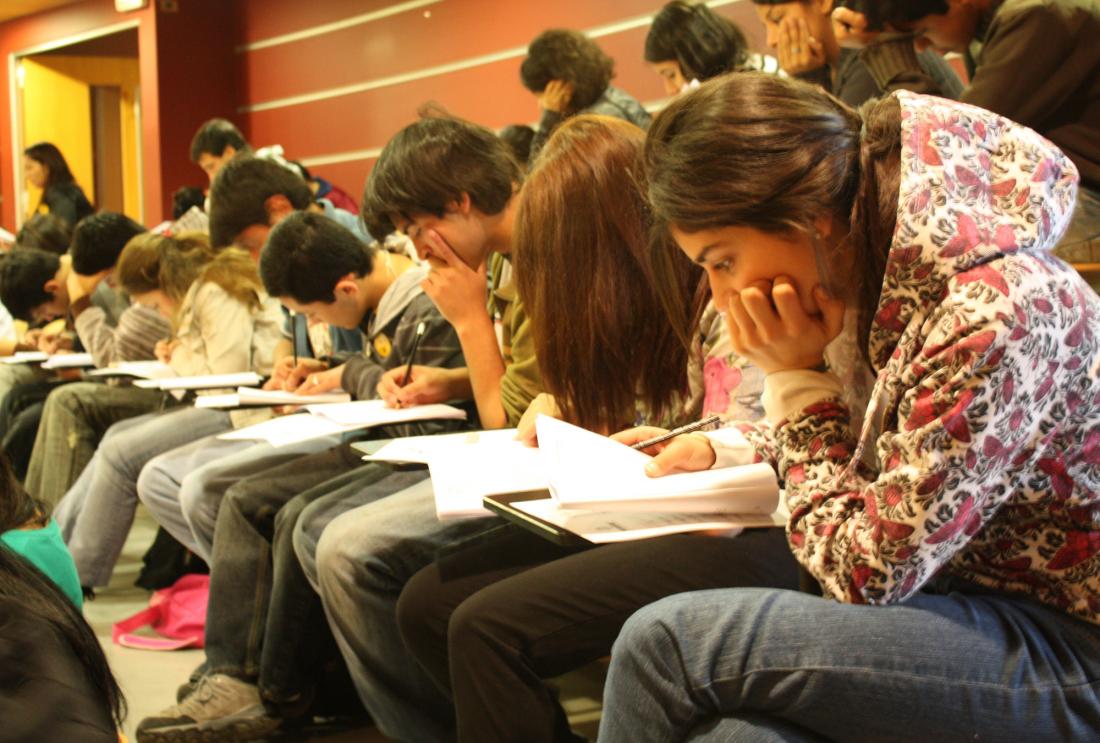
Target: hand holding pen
674,451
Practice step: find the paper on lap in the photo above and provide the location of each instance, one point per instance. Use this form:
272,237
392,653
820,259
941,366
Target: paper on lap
290,429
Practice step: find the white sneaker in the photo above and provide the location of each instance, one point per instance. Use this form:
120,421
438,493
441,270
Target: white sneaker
219,708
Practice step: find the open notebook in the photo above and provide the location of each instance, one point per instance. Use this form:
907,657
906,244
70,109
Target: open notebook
584,471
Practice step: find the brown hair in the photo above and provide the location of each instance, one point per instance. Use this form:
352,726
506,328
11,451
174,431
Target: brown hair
774,154
170,264
601,335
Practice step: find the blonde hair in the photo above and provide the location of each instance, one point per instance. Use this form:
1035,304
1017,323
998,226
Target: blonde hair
237,274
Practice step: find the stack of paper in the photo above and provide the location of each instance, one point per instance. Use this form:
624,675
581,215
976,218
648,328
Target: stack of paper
597,485
323,420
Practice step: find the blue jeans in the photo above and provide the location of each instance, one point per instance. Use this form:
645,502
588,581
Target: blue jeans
183,488
360,565
96,514
764,664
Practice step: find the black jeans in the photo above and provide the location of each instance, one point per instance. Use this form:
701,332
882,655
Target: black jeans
491,622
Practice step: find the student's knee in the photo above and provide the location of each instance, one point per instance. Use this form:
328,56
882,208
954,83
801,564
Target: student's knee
152,483
337,556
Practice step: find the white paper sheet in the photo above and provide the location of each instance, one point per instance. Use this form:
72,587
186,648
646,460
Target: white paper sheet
288,429
139,369
202,382
375,413
26,357
466,471
593,471
420,448
68,361
256,396
619,526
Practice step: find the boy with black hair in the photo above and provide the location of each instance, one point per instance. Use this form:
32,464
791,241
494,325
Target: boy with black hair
235,503
1033,61
214,144
46,232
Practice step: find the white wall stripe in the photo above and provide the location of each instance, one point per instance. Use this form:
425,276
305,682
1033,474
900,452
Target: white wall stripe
443,69
327,28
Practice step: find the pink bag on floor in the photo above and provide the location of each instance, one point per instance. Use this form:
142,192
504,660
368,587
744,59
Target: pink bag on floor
176,613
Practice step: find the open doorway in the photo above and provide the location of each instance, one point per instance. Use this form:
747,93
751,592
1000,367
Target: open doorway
83,95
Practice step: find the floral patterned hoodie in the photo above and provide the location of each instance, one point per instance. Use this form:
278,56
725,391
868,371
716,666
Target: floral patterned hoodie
979,456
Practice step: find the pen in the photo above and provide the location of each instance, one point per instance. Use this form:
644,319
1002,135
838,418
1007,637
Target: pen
412,354
294,337
697,425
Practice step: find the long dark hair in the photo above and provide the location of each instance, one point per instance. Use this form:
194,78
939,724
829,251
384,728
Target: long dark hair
57,170
602,338
774,154
702,42
17,508
24,584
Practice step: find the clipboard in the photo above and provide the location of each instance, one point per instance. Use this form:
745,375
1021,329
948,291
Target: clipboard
503,506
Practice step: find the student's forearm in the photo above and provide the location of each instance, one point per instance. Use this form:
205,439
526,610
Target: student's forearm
486,367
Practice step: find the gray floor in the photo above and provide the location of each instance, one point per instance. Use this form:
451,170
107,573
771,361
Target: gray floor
149,679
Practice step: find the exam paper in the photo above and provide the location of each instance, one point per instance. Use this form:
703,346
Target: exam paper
375,413
202,382
465,471
595,472
139,369
68,361
26,357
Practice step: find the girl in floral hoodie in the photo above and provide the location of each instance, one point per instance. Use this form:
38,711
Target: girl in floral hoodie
957,532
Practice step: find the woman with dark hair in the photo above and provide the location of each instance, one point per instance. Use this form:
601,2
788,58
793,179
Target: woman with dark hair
688,43
44,167
571,75
492,621
27,529
55,683
955,536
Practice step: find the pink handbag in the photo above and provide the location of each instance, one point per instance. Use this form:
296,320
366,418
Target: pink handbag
177,614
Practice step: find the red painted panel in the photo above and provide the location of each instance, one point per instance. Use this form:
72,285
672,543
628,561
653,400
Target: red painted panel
263,19
409,41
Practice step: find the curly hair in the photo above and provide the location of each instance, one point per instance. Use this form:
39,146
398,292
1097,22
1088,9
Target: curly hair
561,54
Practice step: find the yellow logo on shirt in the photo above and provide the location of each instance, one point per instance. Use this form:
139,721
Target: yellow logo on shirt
382,346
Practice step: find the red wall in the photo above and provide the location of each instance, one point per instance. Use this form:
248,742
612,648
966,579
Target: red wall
448,32
194,65
187,71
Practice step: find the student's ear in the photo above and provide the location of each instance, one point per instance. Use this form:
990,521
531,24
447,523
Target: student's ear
463,205
228,152
51,287
277,206
824,225
346,286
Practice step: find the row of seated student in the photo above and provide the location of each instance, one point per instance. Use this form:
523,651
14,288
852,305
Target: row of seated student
868,297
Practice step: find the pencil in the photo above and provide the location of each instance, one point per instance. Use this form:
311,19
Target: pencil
420,328
697,425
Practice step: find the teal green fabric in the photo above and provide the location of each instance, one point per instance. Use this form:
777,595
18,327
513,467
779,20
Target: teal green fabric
47,551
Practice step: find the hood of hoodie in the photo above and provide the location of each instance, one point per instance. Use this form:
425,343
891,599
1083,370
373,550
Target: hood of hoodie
975,186
404,289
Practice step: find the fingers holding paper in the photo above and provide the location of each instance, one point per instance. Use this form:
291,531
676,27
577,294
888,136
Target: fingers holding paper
543,404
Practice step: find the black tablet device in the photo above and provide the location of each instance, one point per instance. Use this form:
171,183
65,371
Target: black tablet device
504,505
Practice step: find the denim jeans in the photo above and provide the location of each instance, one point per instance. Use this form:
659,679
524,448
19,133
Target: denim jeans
96,514
757,664
253,553
183,488
74,420
362,561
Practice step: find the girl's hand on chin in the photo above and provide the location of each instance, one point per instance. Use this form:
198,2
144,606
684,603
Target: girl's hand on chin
775,332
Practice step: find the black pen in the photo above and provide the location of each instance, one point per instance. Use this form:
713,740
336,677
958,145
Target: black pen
678,432
294,338
412,354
